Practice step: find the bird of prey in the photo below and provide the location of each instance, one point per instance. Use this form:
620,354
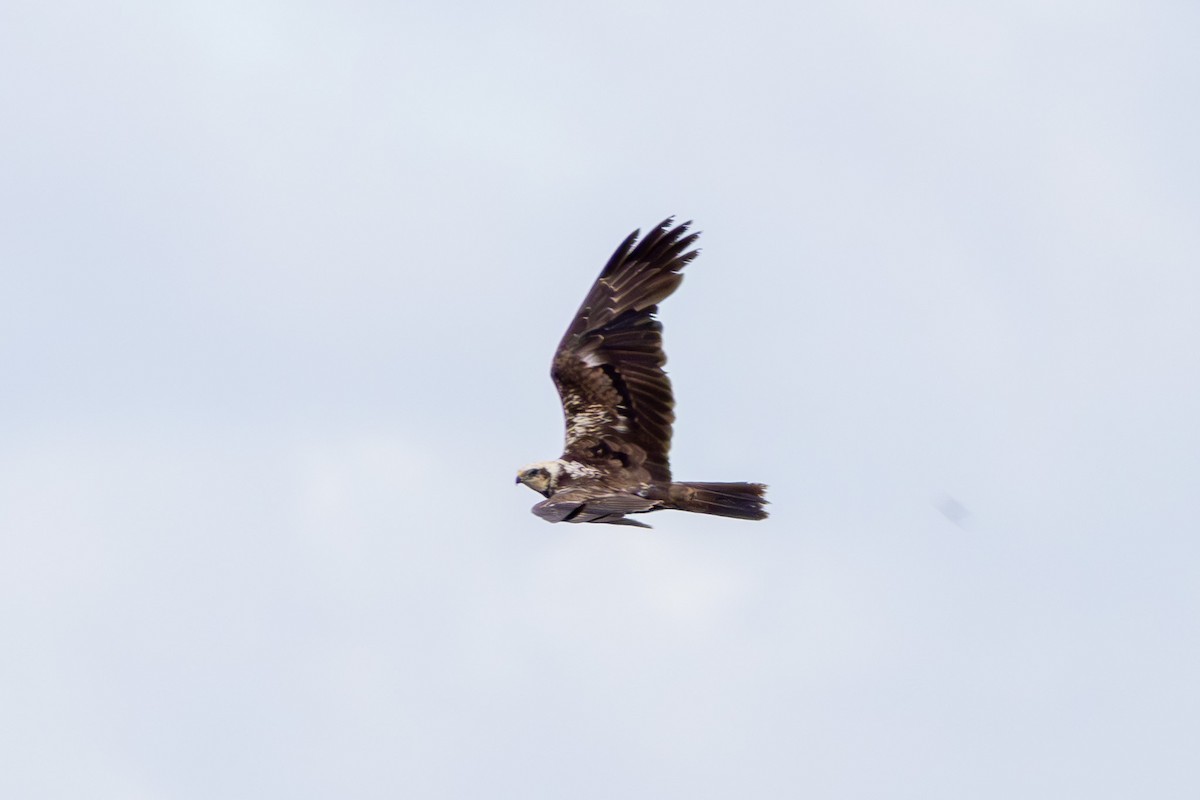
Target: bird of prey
617,399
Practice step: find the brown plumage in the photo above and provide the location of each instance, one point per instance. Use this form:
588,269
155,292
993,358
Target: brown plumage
617,399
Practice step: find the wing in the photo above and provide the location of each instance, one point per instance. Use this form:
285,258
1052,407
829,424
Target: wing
581,505
609,366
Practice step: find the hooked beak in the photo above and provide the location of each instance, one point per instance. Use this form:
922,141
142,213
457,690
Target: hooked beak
518,480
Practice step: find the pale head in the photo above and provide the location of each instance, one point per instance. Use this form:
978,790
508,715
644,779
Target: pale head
541,476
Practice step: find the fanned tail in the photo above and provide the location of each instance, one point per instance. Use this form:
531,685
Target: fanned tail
740,500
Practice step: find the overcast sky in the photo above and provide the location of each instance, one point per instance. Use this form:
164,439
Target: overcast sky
281,283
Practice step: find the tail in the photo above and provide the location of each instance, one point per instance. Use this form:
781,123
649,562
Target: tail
740,500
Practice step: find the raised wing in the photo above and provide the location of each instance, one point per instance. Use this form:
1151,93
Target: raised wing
609,366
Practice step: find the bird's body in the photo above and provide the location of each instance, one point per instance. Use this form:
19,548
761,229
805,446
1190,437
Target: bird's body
617,400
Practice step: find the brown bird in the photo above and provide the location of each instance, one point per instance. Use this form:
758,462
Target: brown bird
617,399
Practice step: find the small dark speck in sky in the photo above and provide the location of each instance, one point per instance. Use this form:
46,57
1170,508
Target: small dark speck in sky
953,510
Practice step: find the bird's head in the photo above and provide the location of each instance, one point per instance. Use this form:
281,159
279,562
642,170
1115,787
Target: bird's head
542,477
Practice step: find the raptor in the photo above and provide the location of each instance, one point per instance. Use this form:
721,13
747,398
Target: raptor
618,403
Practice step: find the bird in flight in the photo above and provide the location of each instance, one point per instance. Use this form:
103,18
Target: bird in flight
617,399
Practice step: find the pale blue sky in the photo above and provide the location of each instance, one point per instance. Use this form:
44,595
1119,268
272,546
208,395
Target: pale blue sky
281,286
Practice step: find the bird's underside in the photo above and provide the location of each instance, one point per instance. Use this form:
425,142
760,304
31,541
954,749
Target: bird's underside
617,400
599,504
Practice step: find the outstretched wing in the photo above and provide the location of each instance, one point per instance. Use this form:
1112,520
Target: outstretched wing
609,366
